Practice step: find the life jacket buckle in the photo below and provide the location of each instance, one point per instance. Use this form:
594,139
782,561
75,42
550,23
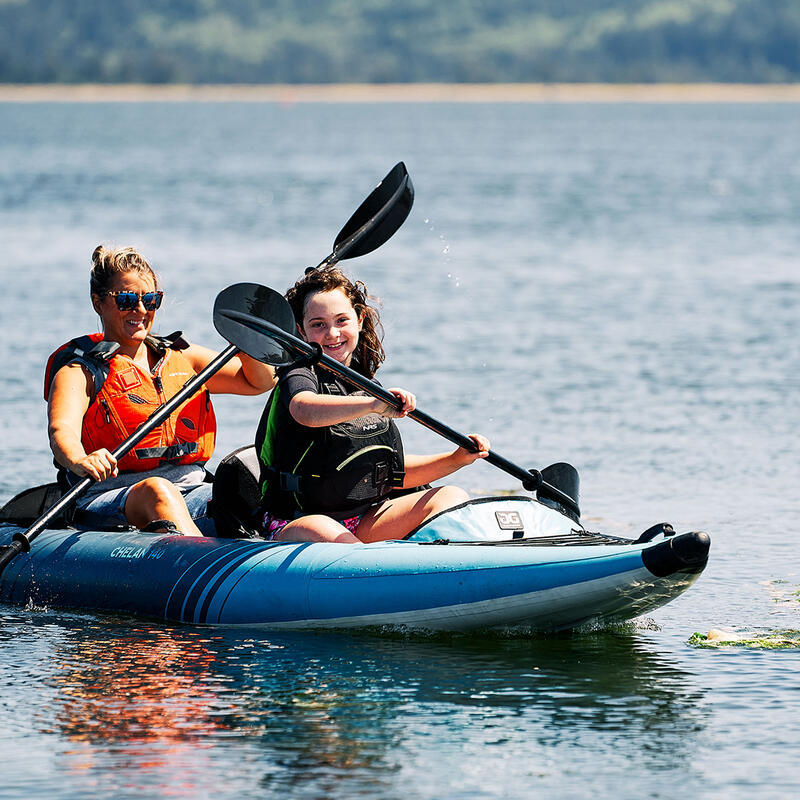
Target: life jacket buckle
170,453
386,474
380,474
289,482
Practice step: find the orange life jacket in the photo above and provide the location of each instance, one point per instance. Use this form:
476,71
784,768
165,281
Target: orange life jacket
125,395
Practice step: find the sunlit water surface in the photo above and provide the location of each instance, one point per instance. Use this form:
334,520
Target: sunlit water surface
612,285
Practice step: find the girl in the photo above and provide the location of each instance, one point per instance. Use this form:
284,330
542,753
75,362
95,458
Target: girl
331,457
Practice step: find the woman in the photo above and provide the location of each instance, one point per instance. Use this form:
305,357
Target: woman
100,389
332,459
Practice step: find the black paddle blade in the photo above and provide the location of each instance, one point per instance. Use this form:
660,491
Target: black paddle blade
377,219
564,478
252,317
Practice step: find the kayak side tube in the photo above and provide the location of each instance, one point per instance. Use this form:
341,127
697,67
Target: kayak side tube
553,576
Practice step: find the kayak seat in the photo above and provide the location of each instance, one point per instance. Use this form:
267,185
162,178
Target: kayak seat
236,495
26,507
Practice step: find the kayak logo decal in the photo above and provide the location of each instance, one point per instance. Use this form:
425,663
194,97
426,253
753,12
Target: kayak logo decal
130,551
509,520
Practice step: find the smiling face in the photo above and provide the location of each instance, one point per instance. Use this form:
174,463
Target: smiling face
129,328
330,321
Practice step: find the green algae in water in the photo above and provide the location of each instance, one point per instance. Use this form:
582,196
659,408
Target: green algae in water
769,640
782,591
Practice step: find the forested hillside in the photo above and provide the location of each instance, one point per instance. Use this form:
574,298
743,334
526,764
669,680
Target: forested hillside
376,41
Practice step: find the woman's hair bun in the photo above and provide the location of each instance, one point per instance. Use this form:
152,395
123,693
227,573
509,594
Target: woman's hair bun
107,263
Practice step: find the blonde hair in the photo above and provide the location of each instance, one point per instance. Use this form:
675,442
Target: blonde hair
107,264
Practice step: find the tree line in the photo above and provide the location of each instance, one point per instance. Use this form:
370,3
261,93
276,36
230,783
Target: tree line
380,41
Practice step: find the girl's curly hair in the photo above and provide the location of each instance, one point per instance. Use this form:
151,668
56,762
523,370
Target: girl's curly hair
369,353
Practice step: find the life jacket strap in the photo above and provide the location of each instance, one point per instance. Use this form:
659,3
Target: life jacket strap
384,473
102,350
167,453
172,341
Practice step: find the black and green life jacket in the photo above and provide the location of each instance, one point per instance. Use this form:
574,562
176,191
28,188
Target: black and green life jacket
339,470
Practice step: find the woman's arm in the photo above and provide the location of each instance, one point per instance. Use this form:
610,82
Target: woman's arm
70,395
241,375
319,410
425,469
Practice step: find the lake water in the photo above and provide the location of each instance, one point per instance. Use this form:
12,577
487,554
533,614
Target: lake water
614,285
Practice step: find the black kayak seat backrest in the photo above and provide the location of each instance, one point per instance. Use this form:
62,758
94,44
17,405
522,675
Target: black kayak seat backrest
235,503
236,494
26,507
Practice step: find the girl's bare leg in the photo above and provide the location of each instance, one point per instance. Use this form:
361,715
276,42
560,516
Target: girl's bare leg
315,528
396,518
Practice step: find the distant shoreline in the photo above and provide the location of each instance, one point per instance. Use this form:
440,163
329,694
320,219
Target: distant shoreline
290,94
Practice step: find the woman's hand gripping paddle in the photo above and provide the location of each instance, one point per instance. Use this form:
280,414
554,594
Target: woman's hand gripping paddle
267,332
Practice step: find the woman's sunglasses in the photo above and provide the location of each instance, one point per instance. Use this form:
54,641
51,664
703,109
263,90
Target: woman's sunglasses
127,301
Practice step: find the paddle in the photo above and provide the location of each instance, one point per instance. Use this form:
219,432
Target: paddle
375,221
266,330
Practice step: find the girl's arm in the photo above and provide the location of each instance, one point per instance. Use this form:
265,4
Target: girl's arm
241,375
319,410
70,395
425,469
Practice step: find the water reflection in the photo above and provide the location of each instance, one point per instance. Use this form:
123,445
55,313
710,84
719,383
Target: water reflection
137,688
317,710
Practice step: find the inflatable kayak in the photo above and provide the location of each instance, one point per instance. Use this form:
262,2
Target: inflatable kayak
491,563
502,563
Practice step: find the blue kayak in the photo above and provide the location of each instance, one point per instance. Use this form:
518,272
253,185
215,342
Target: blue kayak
491,563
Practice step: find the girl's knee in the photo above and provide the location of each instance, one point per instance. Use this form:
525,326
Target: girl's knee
316,528
445,497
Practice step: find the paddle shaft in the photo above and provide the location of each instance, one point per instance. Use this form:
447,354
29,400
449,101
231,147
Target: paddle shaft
531,479
340,251
22,541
